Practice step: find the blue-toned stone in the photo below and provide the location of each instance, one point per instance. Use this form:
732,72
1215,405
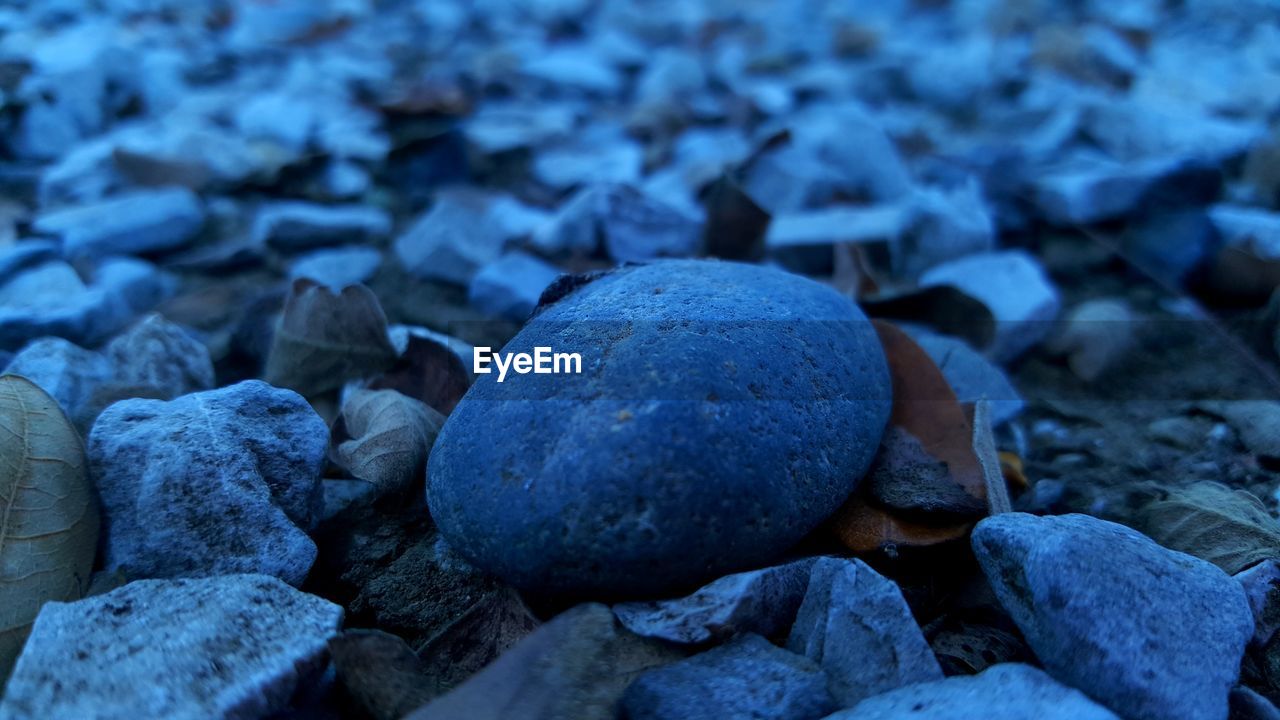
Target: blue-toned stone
1009,691
338,267
212,483
510,287
291,226
723,411
136,223
1148,632
748,678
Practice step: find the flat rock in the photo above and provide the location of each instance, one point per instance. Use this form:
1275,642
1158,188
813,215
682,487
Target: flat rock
293,226
1014,288
137,223
763,602
855,624
1088,191
233,647
1148,632
1010,691
728,356
338,267
624,222
510,287
51,299
748,678
972,376
215,482
452,240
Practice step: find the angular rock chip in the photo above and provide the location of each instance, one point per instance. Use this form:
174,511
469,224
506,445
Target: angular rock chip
763,602
293,226
1010,691
510,286
748,678
1148,632
137,223
228,647
855,624
215,482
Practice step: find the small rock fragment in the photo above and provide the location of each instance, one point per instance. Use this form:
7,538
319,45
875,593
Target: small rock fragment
68,372
1261,585
855,624
1013,286
1096,334
1149,632
1010,691
1257,421
453,240
214,482
763,602
510,287
294,226
338,267
747,678
228,647
632,226
137,223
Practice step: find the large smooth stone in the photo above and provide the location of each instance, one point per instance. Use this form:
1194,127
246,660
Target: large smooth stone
723,411
1151,633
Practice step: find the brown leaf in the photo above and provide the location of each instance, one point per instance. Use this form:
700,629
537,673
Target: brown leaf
427,371
390,438
1229,528
736,225
948,310
477,638
326,338
928,444
48,515
381,673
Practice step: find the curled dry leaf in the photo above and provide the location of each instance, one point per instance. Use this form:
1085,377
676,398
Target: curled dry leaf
1229,528
391,436
326,338
427,371
48,515
926,485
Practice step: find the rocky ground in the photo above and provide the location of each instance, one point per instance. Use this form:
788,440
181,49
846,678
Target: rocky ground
930,359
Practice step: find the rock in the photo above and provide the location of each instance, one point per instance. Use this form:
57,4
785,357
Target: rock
746,678
510,286
1261,585
855,624
1013,286
1010,691
634,227
970,375
161,357
944,226
52,300
294,226
731,355
68,372
1091,190
1249,705
577,665
136,223
1248,227
1148,632
1171,244
1095,336
597,154
338,267
211,483
26,254
1257,421
235,646
453,240
154,359
802,241
763,602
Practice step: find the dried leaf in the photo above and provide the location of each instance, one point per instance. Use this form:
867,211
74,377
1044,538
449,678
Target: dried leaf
427,371
1229,528
984,446
380,672
326,338
477,638
391,436
48,515
736,225
926,452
